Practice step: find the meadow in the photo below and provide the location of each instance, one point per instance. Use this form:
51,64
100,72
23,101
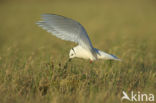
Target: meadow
34,65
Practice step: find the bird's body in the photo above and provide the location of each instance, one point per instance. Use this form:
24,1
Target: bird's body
71,30
80,52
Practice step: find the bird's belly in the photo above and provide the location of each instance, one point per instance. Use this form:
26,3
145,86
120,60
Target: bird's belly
84,54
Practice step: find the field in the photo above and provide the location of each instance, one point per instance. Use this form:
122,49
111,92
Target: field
34,65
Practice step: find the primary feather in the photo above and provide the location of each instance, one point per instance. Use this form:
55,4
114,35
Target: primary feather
66,29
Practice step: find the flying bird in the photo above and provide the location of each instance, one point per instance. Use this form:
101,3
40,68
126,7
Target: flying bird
71,30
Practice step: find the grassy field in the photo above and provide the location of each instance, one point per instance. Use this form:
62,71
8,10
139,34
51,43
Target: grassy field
34,67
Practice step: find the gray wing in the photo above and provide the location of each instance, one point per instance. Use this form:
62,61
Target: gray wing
66,29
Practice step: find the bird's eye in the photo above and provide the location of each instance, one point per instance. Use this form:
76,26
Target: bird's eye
72,54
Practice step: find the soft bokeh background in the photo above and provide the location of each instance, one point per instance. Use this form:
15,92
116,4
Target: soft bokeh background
34,67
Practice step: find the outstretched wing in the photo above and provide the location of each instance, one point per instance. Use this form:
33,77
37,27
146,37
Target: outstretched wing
66,29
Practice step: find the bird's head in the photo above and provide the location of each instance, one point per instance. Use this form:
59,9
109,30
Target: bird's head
72,53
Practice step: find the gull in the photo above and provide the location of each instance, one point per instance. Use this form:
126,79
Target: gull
71,30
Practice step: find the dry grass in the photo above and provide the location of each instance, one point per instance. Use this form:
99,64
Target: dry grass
34,67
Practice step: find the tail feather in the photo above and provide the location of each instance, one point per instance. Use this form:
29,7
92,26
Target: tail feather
104,55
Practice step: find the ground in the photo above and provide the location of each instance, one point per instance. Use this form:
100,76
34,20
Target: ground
34,65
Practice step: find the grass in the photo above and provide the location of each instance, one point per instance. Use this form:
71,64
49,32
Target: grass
34,65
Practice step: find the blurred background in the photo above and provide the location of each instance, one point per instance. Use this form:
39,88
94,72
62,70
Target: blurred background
103,20
125,28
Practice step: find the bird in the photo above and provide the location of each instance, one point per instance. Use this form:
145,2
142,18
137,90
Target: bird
70,30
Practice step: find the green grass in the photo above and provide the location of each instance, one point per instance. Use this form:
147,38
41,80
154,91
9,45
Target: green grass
34,67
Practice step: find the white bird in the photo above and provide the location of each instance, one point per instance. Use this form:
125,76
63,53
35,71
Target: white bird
71,30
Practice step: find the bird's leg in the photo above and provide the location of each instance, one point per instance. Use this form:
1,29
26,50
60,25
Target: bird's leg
91,61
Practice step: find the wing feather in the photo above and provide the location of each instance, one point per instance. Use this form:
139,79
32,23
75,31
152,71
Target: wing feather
66,29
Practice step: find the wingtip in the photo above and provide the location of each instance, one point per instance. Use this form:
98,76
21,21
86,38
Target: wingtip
118,59
115,58
40,23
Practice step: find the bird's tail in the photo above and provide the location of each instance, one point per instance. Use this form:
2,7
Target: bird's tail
104,55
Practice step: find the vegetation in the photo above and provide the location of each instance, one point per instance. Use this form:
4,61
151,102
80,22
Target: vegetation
34,65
